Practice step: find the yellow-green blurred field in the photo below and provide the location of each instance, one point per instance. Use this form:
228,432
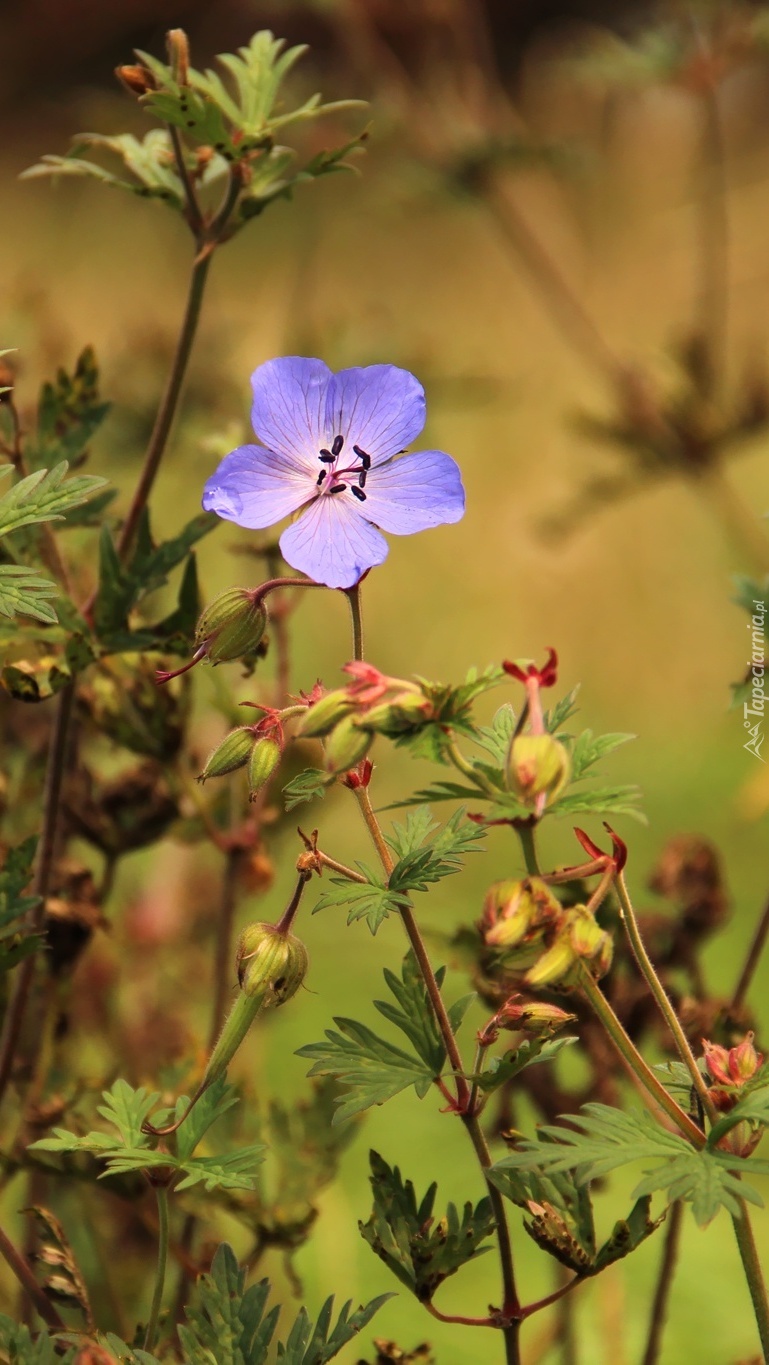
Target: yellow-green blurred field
388,266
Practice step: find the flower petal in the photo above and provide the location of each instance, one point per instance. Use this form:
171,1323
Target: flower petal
378,407
332,544
255,487
415,493
289,408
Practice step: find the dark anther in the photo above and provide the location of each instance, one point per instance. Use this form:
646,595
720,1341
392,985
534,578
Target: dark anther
362,478
338,488
327,457
321,477
337,445
366,459
359,494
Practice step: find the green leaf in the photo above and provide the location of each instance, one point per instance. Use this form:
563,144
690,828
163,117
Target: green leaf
420,1251
628,1234
370,1069
216,1101
14,878
607,1139
122,587
622,800
495,738
413,1013
70,412
25,592
371,900
588,749
439,791
306,786
226,1323
231,1171
751,1107
561,711
532,1050
126,1109
419,863
44,496
311,1345
149,161
24,1349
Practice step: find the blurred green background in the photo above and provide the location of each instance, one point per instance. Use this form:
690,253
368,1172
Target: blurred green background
395,265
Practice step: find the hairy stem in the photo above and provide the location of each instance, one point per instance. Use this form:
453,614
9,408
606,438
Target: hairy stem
169,401
667,1269
743,1231
223,962
356,616
635,1062
511,1303
657,989
54,779
150,1335
525,831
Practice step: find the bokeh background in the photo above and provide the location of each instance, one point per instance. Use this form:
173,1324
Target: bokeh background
403,263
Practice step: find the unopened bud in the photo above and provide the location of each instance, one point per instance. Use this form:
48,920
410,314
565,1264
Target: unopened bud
323,715
744,1060
403,713
554,966
270,964
178,47
346,745
138,79
537,765
231,626
535,1017
515,910
233,753
264,759
581,940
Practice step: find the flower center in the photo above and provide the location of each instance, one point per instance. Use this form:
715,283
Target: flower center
330,477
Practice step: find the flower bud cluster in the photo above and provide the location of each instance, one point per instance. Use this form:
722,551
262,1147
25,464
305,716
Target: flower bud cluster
349,717
732,1069
258,748
546,943
270,964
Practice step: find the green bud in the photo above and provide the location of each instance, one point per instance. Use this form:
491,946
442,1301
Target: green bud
537,765
346,745
265,757
405,712
319,719
581,940
233,752
231,626
270,964
554,966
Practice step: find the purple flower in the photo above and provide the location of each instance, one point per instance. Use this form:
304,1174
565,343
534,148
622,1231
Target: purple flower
328,448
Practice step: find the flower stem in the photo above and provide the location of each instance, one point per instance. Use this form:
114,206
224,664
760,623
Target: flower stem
353,597
743,1231
160,1276
511,1303
635,1062
664,1283
222,966
54,779
170,400
660,995
752,960
525,832
23,1272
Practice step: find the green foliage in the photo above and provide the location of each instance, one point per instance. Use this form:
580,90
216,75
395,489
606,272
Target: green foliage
371,900
228,1324
25,592
306,786
751,1107
14,879
503,1069
373,1070
21,1348
420,1251
604,1139
69,413
421,863
126,1109
44,496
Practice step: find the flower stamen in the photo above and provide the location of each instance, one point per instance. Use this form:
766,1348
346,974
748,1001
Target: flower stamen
327,457
336,446
338,488
366,459
322,476
357,493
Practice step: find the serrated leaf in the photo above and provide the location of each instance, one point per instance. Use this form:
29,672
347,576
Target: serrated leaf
751,1107
495,738
420,864
312,1345
306,786
227,1323
231,1171
215,1101
14,878
25,592
438,791
532,1050
421,1252
371,900
70,412
370,1069
46,495
126,1109
588,749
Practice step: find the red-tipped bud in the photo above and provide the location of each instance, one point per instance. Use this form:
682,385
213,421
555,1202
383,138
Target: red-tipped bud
264,759
233,753
232,626
517,911
538,766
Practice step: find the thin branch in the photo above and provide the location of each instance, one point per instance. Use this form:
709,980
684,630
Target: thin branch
23,1272
194,213
752,960
665,1275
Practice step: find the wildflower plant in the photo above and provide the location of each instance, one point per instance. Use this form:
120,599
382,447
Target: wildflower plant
558,959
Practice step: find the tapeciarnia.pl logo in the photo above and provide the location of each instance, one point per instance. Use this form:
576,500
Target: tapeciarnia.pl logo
753,708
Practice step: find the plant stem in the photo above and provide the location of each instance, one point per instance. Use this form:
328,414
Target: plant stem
660,995
525,832
157,1298
664,1283
741,526
193,215
54,778
752,960
23,1272
353,597
635,1062
170,400
511,1303
714,234
223,962
468,769
743,1231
